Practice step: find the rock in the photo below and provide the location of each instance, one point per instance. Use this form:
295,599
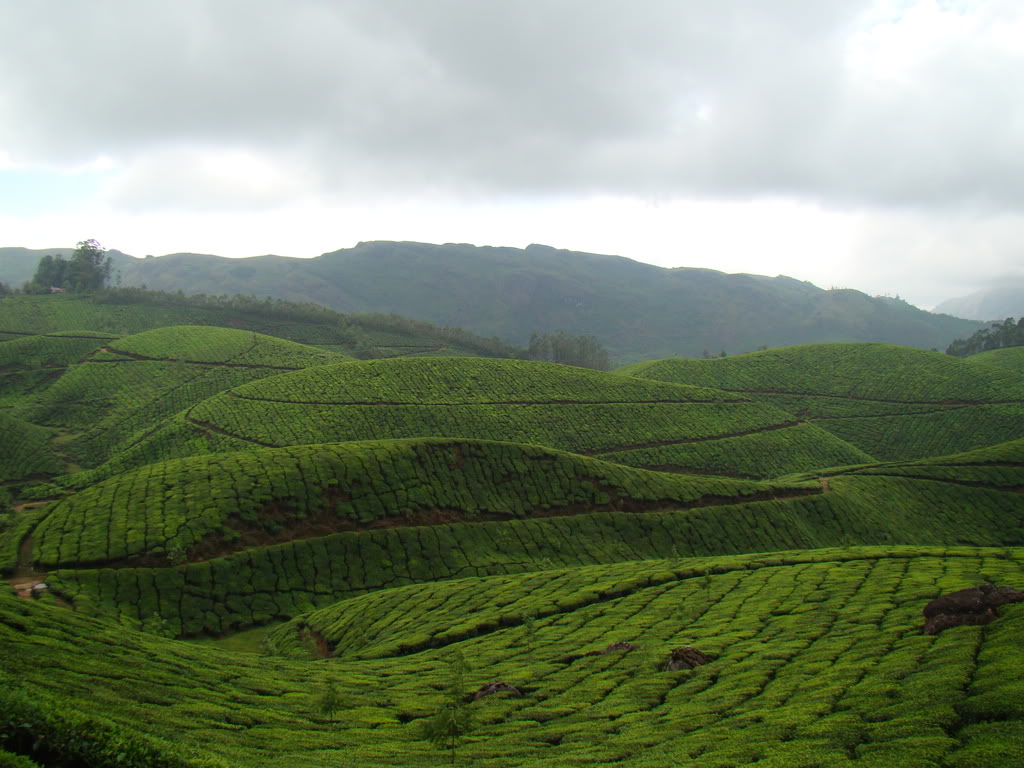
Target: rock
686,657
496,687
974,605
622,645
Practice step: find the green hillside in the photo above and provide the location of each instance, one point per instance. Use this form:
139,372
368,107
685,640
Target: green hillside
228,544
1008,358
817,658
890,402
118,393
641,423
497,523
209,504
120,312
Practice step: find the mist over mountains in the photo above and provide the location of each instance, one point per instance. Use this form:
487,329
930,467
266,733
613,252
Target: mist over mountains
639,311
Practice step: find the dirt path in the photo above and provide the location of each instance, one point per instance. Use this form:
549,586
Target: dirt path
825,485
25,577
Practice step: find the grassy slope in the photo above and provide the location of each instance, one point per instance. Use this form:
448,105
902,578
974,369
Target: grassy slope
206,503
261,584
557,406
891,402
121,392
30,315
25,450
1008,358
819,660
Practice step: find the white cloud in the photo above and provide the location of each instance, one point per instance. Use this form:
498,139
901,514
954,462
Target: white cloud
805,137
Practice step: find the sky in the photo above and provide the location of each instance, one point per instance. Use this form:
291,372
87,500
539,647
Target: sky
876,145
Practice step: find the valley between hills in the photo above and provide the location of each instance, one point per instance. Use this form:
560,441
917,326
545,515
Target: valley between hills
258,536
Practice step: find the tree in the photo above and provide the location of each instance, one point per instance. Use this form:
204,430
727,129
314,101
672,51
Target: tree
89,267
329,701
50,272
453,720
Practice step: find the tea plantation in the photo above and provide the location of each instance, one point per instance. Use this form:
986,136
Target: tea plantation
225,547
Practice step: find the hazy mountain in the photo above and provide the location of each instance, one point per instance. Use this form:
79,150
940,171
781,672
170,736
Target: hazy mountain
1002,300
638,310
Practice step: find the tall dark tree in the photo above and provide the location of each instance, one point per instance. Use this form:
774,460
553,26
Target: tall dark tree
89,267
50,272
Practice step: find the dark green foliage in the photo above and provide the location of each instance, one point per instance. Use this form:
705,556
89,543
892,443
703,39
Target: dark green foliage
584,351
1009,333
56,735
88,269
25,450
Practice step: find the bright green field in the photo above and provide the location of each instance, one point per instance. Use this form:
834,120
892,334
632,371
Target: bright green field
1008,358
818,660
890,402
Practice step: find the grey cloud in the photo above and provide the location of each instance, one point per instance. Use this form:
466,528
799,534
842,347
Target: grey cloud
485,98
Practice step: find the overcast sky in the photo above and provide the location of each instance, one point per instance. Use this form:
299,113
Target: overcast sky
871,145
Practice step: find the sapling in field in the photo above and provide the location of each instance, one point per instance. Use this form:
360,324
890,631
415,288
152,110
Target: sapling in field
453,719
329,701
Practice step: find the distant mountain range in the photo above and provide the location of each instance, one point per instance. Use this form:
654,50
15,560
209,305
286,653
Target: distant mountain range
638,310
1002,300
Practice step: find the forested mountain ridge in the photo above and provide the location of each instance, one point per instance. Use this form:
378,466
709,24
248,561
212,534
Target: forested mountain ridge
637,310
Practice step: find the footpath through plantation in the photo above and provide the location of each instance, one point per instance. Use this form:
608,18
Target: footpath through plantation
236,544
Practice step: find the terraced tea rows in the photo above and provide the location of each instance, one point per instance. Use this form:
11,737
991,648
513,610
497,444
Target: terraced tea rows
259,585
120,394
179,505
890,402
1008,358
557,406
223,346
25,450
817,658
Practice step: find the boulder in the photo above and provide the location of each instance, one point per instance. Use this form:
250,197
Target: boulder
686,657
974,605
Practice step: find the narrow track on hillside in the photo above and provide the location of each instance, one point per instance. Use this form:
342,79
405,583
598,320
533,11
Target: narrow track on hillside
215,364
948,481
208,427
686,440
483,402
858,398
25,577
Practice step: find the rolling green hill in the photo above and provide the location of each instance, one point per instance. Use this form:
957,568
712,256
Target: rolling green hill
1007,358
816,659
263,524
890,402
120,312
630,421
